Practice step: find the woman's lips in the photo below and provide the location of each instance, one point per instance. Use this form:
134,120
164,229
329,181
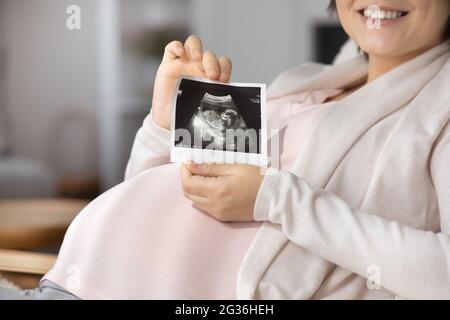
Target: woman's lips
375,16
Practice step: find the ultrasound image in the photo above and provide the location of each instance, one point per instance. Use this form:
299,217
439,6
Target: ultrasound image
213,117
218,117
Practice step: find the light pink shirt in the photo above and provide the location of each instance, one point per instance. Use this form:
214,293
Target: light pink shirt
144,240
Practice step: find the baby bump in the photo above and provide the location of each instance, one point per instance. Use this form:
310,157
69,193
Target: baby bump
144,239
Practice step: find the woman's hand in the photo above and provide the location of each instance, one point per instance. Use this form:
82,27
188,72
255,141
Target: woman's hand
190,60
227,192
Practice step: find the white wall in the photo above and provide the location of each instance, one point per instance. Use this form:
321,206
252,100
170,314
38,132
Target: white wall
3,122
51,80
109,90
262,37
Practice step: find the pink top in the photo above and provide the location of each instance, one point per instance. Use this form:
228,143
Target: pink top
143,239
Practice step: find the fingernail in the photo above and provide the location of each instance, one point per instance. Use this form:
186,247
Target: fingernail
190,164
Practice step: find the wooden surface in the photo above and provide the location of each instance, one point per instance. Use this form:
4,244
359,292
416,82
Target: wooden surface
22,280
30,224
24,269
26,262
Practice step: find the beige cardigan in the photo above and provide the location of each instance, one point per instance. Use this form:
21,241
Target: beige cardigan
371,196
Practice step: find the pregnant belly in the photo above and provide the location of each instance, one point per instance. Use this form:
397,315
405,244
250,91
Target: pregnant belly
143,239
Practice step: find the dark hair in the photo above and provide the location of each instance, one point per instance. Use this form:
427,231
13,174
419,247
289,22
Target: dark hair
332,9
332,6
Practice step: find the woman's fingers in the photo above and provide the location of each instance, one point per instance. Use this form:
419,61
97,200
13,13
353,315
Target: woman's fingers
194,48
205,208
207,62
211,65
198,200
173,50
196,185
225,69
211,170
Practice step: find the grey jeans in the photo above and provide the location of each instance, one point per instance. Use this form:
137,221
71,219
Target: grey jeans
46,291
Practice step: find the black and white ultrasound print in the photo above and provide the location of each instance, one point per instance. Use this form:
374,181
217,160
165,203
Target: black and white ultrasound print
217,122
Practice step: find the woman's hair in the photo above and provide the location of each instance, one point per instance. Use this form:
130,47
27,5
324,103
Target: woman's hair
332,9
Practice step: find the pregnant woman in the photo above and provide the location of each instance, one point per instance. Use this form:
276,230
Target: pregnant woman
356,205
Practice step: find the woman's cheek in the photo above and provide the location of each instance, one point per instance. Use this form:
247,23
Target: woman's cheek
347,18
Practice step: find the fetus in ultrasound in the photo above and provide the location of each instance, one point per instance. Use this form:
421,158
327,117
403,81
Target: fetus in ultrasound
214,117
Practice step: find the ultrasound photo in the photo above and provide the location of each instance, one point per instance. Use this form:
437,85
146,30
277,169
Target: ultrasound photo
217,122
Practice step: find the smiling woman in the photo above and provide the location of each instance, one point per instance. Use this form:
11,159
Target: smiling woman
393,32
361,184
414,25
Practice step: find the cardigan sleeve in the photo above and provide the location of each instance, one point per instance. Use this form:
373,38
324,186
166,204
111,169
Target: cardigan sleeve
413,263
440,172
151,148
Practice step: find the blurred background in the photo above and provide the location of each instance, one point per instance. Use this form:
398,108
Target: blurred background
71,101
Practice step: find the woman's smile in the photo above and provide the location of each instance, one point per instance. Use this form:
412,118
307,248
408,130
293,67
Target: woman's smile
388,29
376,16
380,17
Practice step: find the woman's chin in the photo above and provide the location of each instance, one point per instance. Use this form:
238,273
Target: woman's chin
381,47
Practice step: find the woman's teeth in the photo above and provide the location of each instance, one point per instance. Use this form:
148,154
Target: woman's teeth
383,14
